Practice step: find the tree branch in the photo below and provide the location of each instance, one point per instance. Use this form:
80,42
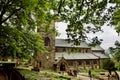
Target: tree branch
15,11
3,10
87,15
80,8
59,8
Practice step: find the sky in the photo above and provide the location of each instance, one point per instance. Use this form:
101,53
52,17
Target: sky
109,35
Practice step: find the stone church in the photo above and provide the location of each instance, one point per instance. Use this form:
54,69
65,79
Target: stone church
77,57
63,56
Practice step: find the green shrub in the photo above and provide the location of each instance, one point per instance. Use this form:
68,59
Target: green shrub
95,75
82,70
99,70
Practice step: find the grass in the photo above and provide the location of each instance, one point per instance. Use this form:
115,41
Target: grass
51,75
30,75
95,70
95,73
34,75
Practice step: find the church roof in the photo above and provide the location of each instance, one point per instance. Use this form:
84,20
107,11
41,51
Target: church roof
64,43
73,56
97,47
100,55
60,59
78,55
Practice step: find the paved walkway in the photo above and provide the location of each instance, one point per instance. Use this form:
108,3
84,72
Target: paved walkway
81,77
86,78
118,73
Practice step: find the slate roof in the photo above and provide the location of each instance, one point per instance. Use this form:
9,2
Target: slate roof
101,55
58,60
64,43
97,47
74,56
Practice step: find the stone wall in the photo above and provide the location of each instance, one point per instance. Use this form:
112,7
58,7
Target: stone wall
83,64
44,60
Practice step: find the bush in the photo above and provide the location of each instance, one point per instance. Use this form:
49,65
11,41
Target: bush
95,75
117,65
108,65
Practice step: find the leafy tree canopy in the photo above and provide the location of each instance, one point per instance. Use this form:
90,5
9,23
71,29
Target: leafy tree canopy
19,19
87,16
108,64
115,51
18,22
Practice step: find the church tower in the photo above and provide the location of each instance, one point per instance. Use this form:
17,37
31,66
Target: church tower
46,60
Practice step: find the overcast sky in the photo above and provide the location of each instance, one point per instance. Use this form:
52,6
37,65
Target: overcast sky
109,35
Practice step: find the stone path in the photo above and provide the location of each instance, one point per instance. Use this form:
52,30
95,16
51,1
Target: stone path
86,78
81,77
118,73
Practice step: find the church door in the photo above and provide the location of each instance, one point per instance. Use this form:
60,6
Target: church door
62,67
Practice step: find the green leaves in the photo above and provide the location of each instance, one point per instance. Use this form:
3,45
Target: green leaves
18,21
19,44
108,65
95,41
80,13
116,51
116,20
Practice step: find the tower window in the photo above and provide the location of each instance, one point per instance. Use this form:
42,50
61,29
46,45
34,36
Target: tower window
47,41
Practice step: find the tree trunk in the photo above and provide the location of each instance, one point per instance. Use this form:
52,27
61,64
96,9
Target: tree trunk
117,76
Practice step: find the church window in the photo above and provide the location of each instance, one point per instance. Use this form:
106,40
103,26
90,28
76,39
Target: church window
64,49
40,64
71,63
72,49
79,50
86,51
95,62
87,62
47,41
56,49
79,63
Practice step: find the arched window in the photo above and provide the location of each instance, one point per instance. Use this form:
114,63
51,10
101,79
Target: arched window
40,64
64,49
46,41
62,67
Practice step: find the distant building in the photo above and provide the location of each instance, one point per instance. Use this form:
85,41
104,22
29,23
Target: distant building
77,57
64,56
43,60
